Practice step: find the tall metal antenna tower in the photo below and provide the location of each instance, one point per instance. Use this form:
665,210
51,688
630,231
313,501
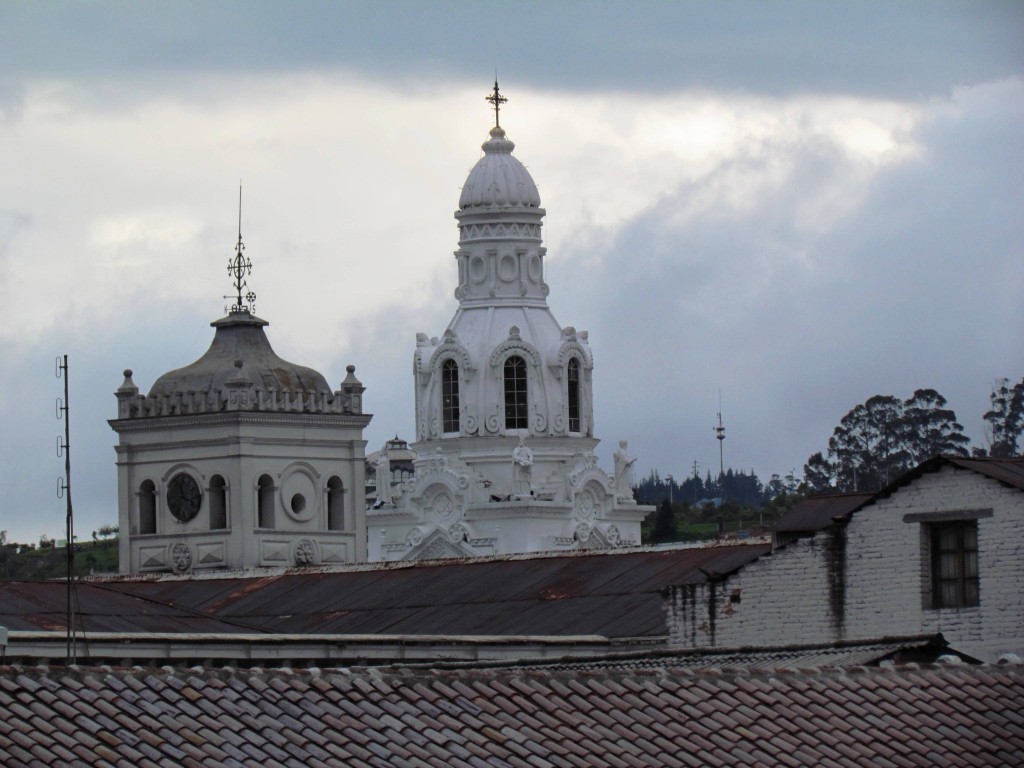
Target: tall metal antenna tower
720,436
64,490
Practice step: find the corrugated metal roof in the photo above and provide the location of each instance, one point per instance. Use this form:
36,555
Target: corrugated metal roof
27,605
817,512
608,594
1009,471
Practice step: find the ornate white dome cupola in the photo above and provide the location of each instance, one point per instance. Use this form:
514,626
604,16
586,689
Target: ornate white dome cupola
503,377
240,459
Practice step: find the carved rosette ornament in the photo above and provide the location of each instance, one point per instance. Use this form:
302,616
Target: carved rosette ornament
443,506
613,535
181,556
414,537
585,505
457,533
305,553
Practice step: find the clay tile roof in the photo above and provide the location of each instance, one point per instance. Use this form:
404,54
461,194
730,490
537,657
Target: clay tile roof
956,715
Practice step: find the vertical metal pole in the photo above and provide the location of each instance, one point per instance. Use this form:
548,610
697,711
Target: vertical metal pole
71,646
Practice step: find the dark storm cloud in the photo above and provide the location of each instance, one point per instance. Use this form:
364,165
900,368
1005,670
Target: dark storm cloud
921,284
868,48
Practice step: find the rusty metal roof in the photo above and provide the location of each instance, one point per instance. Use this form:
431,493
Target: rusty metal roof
28,605
817,512
608,594
1007,471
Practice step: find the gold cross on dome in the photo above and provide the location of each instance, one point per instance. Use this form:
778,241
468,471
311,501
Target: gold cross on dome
496,100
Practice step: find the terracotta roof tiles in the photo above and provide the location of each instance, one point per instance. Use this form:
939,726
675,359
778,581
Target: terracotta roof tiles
953,715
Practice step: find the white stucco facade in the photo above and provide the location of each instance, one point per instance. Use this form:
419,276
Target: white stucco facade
240,460
873,576
504,401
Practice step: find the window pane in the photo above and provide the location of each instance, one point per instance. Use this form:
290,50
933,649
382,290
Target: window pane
971,592
515,393
948,566
949,596
955,564
450,396
948,538
970,565
574,395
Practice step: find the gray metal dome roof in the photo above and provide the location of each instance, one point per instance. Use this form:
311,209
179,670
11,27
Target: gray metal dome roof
240,336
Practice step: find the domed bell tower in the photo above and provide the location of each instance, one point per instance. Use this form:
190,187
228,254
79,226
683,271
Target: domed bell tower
504,406
240,459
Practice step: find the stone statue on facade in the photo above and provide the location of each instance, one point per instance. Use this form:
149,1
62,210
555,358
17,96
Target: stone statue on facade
623,464
383,471
522,470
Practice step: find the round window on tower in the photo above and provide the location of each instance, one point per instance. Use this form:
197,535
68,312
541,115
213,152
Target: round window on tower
299,492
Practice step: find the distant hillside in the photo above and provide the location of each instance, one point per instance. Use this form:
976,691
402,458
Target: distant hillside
29,561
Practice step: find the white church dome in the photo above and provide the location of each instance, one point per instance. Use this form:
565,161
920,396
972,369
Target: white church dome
498,179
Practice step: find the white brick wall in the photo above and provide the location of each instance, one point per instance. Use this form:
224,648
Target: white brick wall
884,578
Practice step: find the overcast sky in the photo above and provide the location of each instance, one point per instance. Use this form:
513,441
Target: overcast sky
800,205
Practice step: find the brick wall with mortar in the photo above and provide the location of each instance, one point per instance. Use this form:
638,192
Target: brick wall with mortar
889,565
869,578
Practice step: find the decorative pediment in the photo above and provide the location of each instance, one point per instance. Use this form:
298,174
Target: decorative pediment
568,349
585,469
438,545
452,348
513,345
437,473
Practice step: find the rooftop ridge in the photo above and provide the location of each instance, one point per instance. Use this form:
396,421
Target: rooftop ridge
405,673
267,572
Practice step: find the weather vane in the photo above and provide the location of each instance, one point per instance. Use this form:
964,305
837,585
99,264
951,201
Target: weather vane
239,267
496,100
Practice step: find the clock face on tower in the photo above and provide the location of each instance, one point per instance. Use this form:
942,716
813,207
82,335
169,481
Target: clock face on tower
183,497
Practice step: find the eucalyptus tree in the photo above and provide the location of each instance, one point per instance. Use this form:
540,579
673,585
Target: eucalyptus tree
1004,421
883,437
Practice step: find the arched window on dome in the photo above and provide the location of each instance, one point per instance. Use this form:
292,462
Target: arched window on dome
335,504
265,502
450,395
147,507
516,400
218,503
573,395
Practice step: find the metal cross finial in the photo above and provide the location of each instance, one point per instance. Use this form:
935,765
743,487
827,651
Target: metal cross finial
496,100
240,266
